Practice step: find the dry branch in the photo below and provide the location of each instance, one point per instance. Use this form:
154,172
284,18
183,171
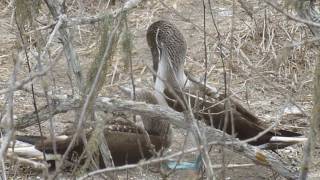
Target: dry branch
258,156
75,21
71,55
21,160
89,90
277,7
213,135
19,84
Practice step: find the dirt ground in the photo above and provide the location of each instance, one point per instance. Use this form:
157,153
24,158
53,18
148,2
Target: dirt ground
264,41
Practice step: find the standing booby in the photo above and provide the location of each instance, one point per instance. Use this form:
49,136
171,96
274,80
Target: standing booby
168,48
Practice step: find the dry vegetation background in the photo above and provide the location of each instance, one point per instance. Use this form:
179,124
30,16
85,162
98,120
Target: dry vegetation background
268,61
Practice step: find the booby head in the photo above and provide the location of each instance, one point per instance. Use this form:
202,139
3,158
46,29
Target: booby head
168,49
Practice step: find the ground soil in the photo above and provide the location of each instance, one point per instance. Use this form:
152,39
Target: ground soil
262,38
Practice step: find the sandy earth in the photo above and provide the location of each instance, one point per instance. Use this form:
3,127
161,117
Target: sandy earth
290,69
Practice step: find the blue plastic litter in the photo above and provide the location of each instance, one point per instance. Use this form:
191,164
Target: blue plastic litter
194,165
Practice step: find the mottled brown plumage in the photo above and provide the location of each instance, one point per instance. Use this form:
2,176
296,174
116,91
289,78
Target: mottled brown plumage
126,143
125,147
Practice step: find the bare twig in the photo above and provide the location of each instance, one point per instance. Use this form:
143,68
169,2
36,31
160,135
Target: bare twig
212,135
161,159
7,120
106,54
29,162
18,85
74,21
278,8
72,58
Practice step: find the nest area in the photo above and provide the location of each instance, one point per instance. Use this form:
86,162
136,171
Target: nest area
264,54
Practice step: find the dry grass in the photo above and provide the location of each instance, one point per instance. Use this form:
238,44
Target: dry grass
267,42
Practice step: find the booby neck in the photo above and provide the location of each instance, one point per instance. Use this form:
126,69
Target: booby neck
169,75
